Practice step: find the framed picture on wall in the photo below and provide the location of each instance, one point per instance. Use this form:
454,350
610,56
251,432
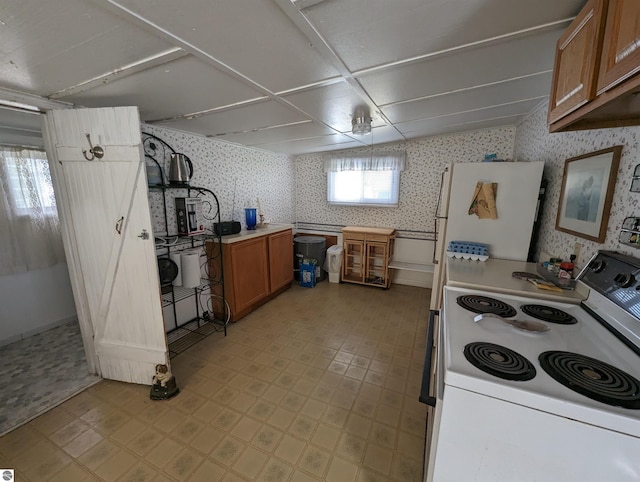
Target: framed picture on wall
587,191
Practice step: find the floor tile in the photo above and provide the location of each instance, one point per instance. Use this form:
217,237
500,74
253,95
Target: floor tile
250,463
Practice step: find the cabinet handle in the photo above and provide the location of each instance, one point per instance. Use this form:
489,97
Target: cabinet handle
119,225
144,234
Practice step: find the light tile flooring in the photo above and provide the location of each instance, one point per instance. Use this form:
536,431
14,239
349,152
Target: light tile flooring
318,384
41,371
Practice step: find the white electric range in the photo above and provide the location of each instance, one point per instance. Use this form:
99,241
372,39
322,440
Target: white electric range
564,404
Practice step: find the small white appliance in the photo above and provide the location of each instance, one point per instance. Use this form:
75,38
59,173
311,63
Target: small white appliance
517,405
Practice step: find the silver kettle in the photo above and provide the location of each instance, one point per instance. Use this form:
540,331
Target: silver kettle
180,169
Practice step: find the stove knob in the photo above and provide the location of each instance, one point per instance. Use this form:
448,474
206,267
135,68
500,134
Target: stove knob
624,280
597,265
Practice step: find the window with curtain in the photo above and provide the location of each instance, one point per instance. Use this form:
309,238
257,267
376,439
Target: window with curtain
29,228
364,179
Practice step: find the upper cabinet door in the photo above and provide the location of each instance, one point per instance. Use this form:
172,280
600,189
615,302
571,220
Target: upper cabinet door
577,61
621,49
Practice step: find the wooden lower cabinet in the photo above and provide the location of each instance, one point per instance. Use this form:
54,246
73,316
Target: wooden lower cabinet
248,273
255,270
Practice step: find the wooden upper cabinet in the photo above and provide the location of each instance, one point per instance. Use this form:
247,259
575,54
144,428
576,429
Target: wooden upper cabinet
577,61
596,78
621,46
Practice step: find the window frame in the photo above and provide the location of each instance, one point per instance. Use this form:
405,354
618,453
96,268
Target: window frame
362,201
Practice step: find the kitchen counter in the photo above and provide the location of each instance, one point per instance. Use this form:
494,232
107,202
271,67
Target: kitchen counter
495,275
244,234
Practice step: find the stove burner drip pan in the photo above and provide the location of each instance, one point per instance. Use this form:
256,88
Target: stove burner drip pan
499,361
484,304
549,314
592,378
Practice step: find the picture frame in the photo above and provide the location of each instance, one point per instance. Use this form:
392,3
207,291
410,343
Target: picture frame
587,190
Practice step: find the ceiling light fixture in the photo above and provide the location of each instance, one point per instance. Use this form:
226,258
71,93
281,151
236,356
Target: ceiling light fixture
361,123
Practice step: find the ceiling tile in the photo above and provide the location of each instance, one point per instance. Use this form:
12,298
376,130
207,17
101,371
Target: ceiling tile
490,63
537,86
255,38
185,85
50,46
368,33
333,104
442,129
278,134
241,119
422,127
317,144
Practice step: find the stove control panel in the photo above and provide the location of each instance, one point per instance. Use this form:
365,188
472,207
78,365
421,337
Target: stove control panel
615,276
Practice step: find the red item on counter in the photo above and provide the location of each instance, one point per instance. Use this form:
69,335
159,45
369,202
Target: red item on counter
566,270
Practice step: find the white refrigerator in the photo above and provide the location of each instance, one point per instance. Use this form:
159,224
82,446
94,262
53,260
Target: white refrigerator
516,200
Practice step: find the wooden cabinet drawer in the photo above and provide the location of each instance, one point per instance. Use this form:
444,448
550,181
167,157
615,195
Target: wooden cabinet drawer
378,237
352,235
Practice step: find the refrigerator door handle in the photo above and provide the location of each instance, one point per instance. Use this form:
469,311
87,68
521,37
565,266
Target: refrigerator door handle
439,203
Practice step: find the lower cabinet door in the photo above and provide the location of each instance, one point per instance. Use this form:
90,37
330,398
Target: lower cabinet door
249,271
280,260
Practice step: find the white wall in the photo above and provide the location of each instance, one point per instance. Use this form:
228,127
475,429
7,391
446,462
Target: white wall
35,301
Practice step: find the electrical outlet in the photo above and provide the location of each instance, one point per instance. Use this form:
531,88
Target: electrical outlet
577,248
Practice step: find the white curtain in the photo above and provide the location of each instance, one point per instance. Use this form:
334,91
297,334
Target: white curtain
30,236
378,161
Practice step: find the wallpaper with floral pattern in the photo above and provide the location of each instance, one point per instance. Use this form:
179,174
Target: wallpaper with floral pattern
222,167
419,183
534,143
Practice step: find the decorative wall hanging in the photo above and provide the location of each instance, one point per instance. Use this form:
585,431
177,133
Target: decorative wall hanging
587,191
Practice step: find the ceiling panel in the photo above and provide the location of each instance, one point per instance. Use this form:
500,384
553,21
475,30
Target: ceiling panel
333,104
318,144
304,130
418,128
368,33
534,87
255,38
443,129
49,46
378,135
179,87
242,119
472,67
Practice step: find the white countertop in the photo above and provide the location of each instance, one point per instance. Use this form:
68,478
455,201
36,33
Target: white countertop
495,275
244,234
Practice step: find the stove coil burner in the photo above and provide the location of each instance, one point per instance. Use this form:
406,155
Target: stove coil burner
547,313
499,361
592,378
484,304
